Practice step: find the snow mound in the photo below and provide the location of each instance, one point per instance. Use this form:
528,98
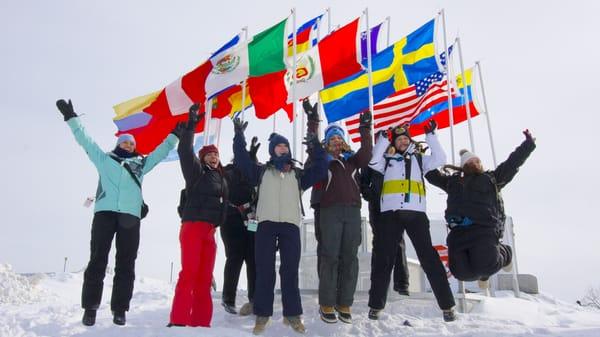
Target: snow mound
58,313
18,289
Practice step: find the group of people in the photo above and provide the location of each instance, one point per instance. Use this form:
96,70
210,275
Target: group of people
258,207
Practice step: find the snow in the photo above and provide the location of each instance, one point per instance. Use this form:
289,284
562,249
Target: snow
48,305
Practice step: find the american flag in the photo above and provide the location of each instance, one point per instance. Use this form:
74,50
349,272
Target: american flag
404,105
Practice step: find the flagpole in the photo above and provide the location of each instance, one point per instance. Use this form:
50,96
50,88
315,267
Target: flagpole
219,132
449,79
328,10
389,24
487,114
466,97
243,108
369,63
207,118
294,66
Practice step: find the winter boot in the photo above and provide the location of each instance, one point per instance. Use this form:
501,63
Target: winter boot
247,309
402,290
229,308
295,322
374,314
119,317
261,324
327,314
344,313
89,317
449,315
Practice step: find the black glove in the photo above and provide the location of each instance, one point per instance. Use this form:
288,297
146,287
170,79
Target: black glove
312,112
311,140
254,145
431,127
365,119
528,135
66,109
239,126
179,129
193,116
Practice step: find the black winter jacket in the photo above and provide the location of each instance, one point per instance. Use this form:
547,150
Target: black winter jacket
477,196
206,188
241,192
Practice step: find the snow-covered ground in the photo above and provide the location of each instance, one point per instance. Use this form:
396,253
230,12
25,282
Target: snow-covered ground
48,305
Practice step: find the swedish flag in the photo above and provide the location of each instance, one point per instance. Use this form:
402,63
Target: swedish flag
396,67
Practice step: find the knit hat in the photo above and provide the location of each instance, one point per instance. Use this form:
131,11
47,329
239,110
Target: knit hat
206,150
465,156
276,139
333,130
125,137
400,130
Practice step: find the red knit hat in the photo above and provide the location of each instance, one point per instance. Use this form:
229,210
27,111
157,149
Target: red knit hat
206,150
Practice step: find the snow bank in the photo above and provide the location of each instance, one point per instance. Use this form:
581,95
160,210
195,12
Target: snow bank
58,313
17,289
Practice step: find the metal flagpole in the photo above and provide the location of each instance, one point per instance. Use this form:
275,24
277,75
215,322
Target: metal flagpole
449,78
207,118
515,278
466,97
389,24
294,66
369,64
487,113
243,108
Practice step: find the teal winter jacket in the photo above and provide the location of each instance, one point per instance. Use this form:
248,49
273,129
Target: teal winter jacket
117,191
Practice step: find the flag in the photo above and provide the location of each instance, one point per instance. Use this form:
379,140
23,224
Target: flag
229,66
267,70
374,43
404,105
396,67
306,37
334,58
229,101
441,113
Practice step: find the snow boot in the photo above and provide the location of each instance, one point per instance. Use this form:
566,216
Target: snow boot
449,315
344,313
229,308
119,317
89,317
374,314
247,309
261,324
402,290
295,322
327,314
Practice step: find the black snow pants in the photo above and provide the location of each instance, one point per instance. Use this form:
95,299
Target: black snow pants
475,253
105,226
400,275
239,249
389,230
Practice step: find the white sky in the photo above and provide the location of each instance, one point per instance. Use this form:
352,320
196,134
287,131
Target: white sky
537,58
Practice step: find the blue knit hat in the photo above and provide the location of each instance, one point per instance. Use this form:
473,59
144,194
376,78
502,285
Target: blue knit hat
125,137
333,130
276,139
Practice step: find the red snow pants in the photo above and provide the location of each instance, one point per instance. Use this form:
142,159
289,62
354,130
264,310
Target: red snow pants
192,303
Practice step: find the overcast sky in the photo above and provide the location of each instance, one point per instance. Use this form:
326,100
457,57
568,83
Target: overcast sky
540,71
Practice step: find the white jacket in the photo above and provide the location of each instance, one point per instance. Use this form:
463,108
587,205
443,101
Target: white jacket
396,185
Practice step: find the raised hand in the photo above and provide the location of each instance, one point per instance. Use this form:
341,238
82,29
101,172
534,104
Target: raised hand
431,126
66,109
528,135
312,111
254,145
365,119
239,126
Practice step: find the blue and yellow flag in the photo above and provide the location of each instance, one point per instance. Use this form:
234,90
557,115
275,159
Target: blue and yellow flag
394,68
